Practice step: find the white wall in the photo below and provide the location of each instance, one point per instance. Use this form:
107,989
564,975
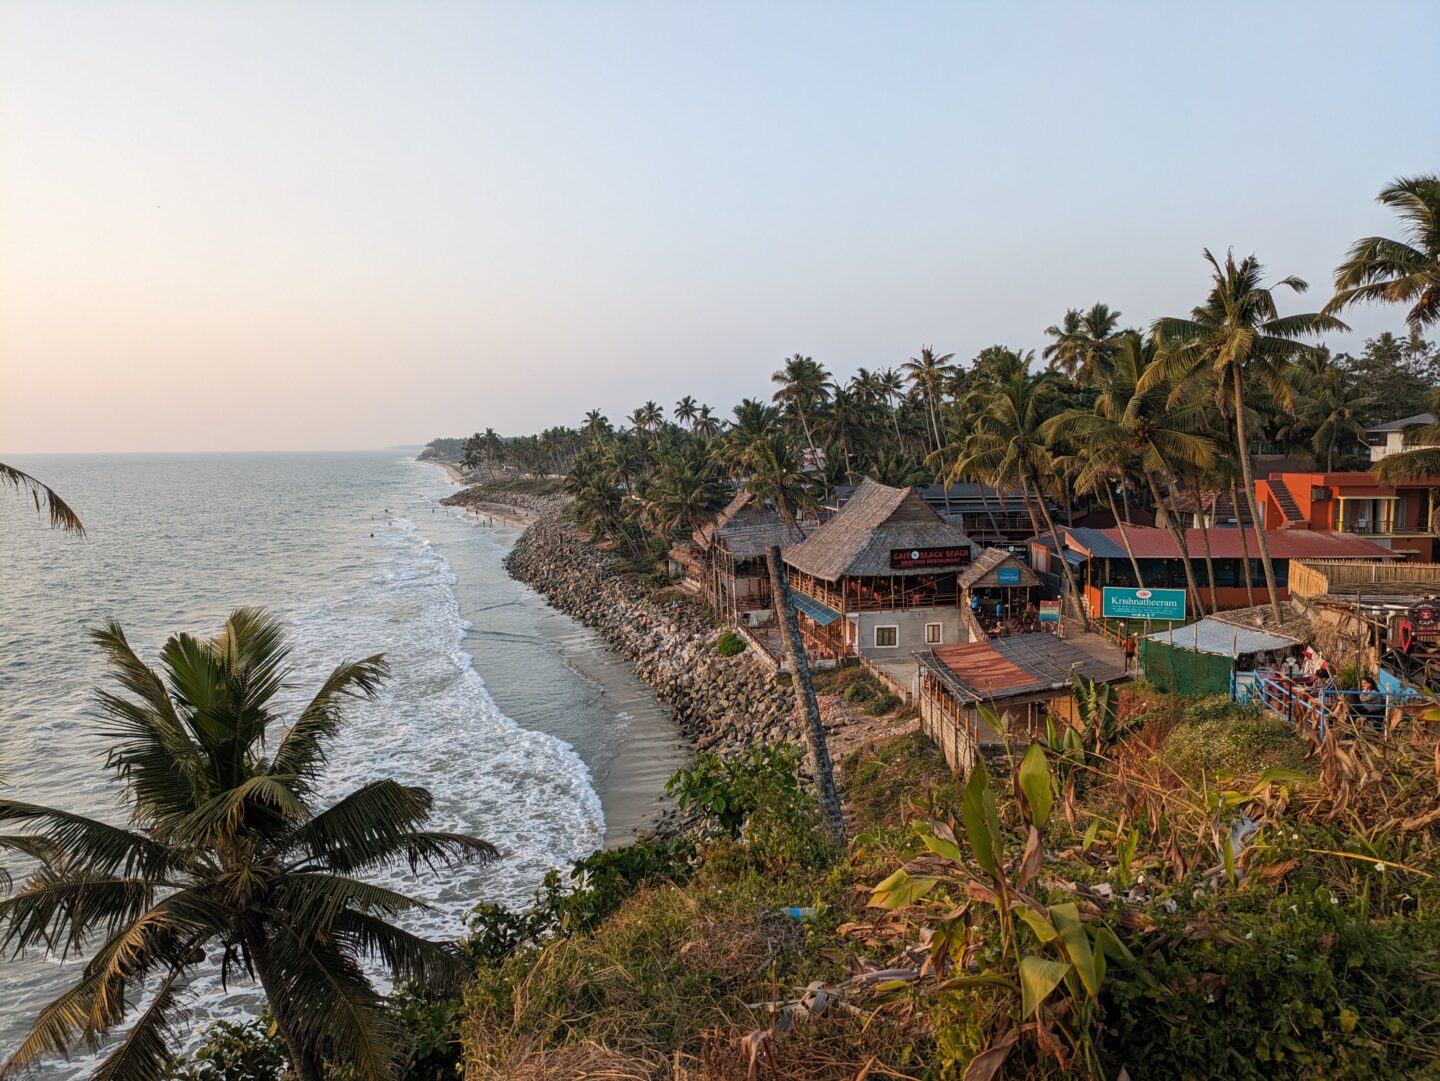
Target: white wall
911,636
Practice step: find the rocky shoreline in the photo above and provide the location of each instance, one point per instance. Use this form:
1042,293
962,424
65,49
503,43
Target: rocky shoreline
720,703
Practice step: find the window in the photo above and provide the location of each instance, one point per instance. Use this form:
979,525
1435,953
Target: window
887,637
932,634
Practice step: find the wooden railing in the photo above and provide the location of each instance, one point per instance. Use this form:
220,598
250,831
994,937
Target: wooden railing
1314,577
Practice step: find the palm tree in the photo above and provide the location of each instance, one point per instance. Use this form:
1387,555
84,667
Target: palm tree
1237,337
707,425
776,477
1398,271
46,499
1007,448
686,411
226,849
927,372
1134,426
647,416
889,385
804,386
1084,342
1334,409
684,497
1420,463
596,424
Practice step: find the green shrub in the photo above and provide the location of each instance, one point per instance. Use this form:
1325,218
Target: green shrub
593,888
729,644
726,790
234,1051
858,692
883,703
1286,986
1218,735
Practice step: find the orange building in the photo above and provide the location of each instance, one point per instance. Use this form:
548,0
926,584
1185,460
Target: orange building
1396,517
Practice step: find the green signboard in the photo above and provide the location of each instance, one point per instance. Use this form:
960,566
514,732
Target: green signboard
1120,603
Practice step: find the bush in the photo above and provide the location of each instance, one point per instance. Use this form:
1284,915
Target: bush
727,790
858,692
234,1051
1218,735
1288,986
599,883
729,644
883,703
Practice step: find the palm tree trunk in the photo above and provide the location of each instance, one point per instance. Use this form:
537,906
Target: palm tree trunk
1076,600
1179,538
805,704
303,1060
1244,546
1246,473
1209,559
1124,537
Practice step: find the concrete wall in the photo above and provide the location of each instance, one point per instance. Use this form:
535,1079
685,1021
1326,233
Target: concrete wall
911,634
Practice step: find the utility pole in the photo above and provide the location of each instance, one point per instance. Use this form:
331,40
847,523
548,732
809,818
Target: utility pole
806,708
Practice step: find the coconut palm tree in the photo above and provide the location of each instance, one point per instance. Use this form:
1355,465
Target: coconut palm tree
1007,447
1398,271
226,849
686,410
1134,426
596,425
684,497
1084,342
927,374
1237,340
1333,408
46,499
804,387
707,424
647,417
776,477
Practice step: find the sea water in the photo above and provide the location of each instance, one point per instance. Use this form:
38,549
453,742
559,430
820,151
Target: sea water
519,722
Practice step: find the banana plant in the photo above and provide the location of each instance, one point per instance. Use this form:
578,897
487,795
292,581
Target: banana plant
1052,961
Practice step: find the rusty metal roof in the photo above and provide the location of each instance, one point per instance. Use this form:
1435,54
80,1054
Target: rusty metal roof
1020,664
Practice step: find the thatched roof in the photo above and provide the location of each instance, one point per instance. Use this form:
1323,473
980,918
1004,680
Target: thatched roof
745,528
984,572
875,521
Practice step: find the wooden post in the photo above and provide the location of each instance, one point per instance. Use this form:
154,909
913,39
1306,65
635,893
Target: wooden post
806,708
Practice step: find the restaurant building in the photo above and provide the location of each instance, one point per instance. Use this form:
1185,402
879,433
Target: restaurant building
1099,559
725,558
880,577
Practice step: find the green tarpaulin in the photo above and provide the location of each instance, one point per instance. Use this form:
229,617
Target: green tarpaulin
1183,670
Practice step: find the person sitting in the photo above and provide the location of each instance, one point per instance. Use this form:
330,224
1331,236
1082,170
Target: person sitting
1370,704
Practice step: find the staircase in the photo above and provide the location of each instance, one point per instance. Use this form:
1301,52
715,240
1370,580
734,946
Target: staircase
1289,508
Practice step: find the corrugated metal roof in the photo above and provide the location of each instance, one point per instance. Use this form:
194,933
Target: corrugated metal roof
1151,542
822,614
1024,663
1403,423
1224,639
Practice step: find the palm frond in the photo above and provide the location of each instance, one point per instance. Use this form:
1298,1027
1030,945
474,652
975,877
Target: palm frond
144,1054
47,501
84,842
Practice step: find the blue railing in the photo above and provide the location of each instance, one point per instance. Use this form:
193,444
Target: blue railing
1311,705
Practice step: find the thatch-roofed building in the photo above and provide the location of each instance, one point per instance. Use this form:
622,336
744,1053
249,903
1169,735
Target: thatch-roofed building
726,557
881,576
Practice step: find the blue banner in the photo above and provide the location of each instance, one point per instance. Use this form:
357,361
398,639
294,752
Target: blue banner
1009,576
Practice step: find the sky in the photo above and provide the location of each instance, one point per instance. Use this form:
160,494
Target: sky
230,226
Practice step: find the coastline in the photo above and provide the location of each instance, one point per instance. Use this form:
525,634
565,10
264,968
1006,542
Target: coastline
637,744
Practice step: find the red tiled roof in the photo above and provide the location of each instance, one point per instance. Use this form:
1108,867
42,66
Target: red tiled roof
1149,542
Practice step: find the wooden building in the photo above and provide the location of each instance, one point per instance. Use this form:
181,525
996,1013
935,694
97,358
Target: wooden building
725,558
998,591
1020,676
881,577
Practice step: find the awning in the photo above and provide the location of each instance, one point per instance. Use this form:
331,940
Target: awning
1225,639
821,613
1074,558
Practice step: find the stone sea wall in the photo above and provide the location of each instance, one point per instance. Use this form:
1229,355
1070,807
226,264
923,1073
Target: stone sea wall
721,703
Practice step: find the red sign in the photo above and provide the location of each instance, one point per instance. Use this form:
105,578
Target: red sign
904,559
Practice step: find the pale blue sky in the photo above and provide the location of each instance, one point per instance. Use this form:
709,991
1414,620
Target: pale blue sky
233,226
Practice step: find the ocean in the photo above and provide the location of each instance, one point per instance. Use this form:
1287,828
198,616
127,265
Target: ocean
523,726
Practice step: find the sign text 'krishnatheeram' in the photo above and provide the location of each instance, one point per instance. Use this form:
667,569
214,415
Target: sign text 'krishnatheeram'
904,559
1118,603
